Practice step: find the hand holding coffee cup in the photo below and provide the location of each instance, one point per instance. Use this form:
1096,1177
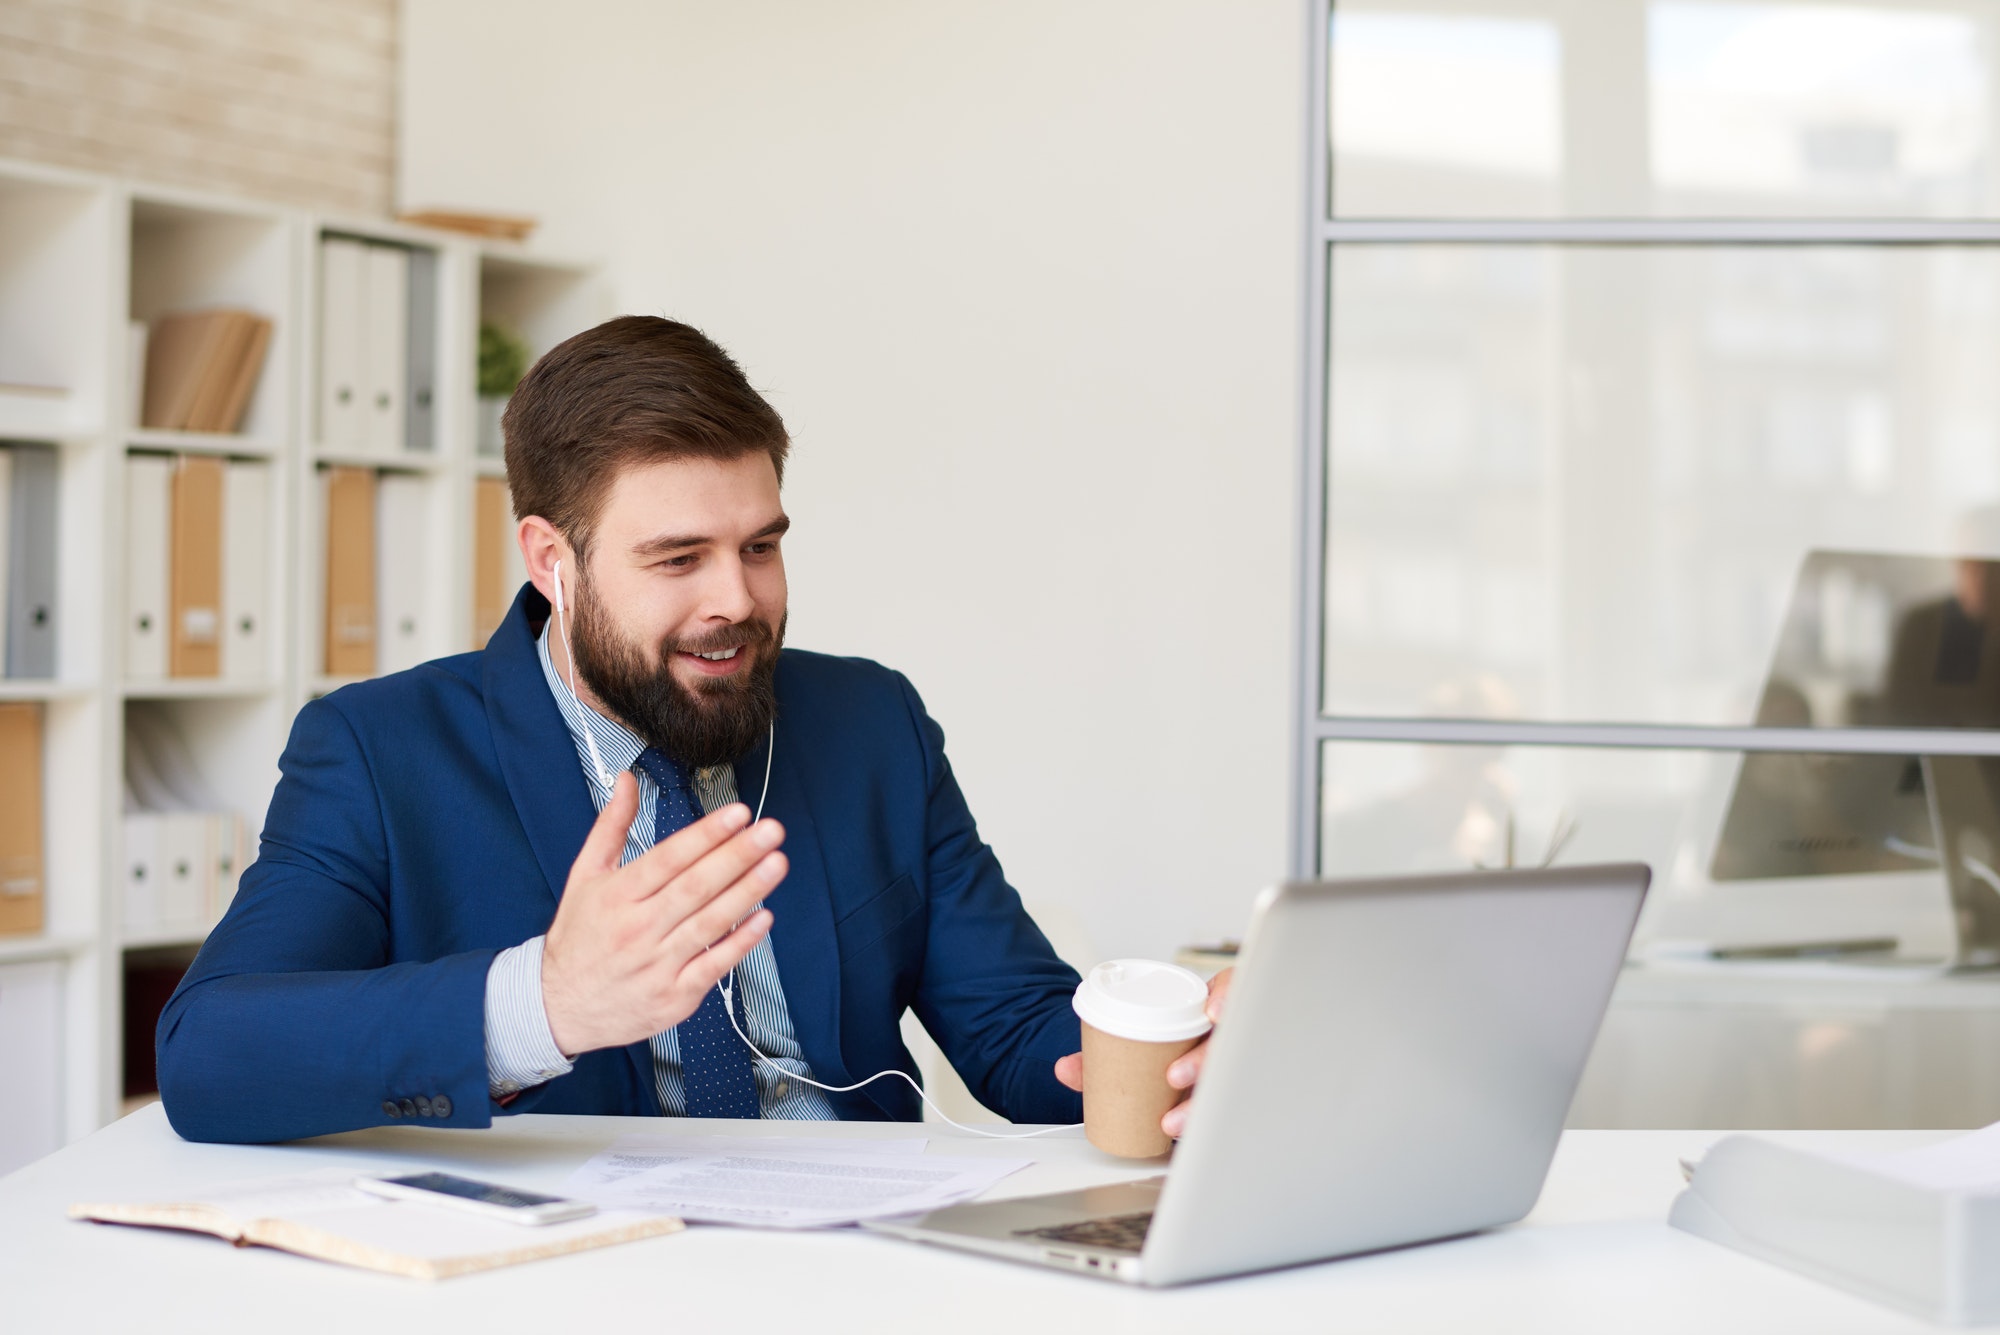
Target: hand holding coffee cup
1139,1016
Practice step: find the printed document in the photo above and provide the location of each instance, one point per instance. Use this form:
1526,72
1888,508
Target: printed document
780,1181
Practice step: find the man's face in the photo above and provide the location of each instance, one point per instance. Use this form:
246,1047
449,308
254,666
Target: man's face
678,623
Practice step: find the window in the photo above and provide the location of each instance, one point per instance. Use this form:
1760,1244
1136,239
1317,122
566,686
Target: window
1653,417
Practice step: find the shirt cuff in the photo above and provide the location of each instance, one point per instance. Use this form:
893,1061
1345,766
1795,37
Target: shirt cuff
520,1050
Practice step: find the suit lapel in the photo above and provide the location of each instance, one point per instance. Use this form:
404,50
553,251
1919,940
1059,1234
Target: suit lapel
801,907
537,756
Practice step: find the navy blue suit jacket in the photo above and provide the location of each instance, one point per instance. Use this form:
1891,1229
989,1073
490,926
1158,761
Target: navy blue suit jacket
427,820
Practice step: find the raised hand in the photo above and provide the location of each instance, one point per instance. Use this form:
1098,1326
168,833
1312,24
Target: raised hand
633,949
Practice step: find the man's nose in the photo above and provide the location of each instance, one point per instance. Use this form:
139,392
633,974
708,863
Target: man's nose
727,595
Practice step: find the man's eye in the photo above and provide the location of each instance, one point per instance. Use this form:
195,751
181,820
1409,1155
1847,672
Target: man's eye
761,548
679,562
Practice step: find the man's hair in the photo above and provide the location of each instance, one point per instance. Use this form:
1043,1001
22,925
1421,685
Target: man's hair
635,390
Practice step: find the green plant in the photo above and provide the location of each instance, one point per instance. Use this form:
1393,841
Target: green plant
503,360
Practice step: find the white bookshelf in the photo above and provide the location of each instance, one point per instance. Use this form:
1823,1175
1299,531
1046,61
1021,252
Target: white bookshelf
81,257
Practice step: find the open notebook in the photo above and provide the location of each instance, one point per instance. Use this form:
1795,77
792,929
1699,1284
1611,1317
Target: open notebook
324,1216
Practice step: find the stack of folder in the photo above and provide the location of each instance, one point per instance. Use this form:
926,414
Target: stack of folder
21,896
201,367
32,1053
377,347
378,560
28,476
198,567
183,848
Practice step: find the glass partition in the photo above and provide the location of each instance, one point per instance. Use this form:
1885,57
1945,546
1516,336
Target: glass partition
1593,483
1843,853
1674,108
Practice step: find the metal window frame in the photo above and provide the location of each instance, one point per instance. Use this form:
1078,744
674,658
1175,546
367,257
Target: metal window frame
1320,234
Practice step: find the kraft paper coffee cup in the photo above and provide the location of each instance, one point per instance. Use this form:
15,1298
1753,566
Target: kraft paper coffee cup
1138,1015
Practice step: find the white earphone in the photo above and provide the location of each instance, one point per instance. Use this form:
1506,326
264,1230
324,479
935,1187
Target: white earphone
726,985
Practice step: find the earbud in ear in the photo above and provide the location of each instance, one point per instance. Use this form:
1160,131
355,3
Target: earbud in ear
556,574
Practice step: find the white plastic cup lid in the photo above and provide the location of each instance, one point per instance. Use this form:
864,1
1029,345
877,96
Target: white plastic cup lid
1143,1000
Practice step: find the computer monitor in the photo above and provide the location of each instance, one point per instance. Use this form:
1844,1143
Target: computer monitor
1871,639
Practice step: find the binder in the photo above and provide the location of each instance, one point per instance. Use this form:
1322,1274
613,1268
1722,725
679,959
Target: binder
31,562
148,511
137,335
179,351
492,534
31,1055
194,645
402,579
139,903
6,509
244,374
225,861
420,417
246,559
167,870
21,895
215,379
385,348
182,857
350,572
342,289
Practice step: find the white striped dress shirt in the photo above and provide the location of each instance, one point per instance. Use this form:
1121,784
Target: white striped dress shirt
519,1049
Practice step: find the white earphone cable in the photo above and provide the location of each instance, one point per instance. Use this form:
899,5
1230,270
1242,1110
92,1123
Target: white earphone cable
725,986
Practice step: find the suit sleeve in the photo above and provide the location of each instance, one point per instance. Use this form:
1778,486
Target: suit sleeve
994,995
295,1019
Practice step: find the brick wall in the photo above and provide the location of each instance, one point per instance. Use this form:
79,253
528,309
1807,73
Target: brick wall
291,101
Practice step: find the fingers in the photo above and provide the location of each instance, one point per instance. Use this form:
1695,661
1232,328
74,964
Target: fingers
722,867
1218,993
702,928
1187,1067
1069,1070
709,967
657,867
606,843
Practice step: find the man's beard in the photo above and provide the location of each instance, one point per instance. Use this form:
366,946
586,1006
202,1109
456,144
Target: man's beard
716,722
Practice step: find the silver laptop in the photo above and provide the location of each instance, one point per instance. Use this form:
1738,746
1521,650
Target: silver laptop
1395,1065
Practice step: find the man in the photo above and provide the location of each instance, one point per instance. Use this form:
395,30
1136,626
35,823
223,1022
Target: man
512,880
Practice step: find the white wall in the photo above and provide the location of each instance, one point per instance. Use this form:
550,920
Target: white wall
1023,279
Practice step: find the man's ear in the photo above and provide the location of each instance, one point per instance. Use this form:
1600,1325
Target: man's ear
541,548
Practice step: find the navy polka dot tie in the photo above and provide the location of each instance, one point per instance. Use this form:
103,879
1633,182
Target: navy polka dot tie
715,1064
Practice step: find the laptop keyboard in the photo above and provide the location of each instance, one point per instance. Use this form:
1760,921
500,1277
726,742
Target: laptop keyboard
1120,1233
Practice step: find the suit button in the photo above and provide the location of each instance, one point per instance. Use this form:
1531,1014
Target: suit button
441,1105
390,1109
409,1107
423,1106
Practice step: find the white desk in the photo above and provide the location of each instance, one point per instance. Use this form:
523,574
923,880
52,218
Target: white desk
1595,1256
